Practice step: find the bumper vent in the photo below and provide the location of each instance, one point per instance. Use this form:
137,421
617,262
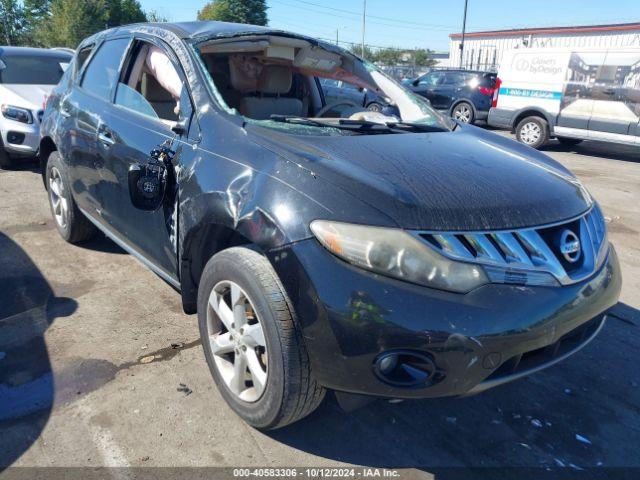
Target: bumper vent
533,360
569,251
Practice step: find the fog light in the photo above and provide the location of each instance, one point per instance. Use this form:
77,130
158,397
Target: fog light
403,368
15,138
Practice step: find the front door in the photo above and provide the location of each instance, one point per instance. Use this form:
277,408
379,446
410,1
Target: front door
428,85
151,98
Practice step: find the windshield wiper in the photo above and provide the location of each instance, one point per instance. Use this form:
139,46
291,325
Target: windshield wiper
358,126
423,127
368,125
297,120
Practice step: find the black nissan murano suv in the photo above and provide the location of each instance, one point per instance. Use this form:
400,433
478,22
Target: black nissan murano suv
393,254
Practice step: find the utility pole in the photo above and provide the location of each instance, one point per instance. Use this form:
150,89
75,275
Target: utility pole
364,21
464,27
337,37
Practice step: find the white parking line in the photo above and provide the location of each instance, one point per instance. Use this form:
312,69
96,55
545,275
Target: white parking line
110,452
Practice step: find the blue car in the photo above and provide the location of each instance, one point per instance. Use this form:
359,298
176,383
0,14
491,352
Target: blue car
465,95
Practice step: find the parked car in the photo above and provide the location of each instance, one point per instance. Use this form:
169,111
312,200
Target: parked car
335,90
464,95
372,255
27,75
569,94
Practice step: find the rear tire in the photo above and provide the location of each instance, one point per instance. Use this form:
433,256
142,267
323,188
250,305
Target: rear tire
533,131
463,112
71,223
282,390
569,142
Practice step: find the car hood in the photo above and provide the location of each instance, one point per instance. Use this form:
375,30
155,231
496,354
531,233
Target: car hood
467,179
25,96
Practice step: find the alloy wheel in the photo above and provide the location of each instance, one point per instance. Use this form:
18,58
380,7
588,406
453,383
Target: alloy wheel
237,341
59,203
462,113
530,133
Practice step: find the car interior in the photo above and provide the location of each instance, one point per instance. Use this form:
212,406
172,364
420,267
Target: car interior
142,91
261,76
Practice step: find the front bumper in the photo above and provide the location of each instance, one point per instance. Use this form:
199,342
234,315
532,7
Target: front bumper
494,334
28,133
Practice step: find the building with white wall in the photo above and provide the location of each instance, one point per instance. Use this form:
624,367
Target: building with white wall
484,50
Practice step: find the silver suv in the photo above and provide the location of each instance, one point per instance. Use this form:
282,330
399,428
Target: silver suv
27,75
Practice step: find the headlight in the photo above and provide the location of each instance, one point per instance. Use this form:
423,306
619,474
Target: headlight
16,113
397,254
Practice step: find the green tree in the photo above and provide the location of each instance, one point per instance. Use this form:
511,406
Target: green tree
253,12
155,17
422,58
35,13
12,22
356,49
123,12
71,21
388,56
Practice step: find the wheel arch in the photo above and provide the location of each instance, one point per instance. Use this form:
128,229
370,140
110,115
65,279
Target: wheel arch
199,245
532,112
458,101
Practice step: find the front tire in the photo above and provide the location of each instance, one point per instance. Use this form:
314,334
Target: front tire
251,341
463,112
72,225
374,107
533,131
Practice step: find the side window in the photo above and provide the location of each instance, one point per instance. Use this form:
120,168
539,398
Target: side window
101,74
152,85
431,79
453,78
82,57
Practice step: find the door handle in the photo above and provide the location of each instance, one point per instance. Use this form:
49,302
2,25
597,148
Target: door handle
106,138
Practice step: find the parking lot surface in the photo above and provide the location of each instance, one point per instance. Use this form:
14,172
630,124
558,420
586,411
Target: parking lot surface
100,367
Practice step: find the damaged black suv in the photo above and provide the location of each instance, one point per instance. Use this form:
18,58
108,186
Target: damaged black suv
324,246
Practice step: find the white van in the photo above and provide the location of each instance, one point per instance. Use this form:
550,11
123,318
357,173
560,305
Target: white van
569,94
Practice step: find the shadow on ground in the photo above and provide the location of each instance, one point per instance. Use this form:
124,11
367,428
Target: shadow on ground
626,153
27,307
582,413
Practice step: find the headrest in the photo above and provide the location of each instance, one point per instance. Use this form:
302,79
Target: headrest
275,79
244,72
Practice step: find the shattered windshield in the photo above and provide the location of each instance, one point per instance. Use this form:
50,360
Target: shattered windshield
303,87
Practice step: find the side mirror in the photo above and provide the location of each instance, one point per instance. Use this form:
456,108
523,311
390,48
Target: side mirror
415,82
147,185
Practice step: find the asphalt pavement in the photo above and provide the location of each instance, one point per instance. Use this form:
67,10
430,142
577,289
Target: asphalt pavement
99,366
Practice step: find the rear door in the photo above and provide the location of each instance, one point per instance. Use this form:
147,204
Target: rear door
616,97
86,107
